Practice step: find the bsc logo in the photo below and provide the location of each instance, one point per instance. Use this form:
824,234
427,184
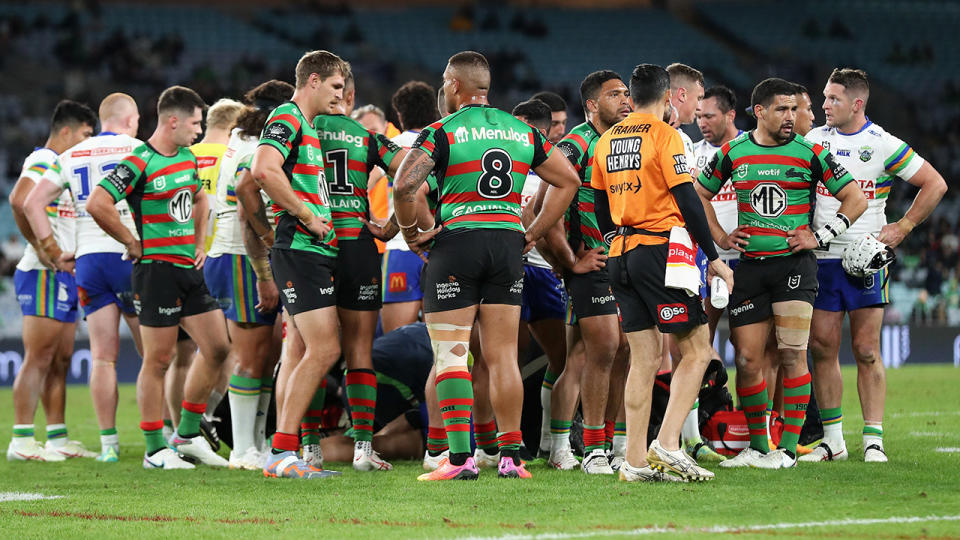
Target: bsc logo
672,313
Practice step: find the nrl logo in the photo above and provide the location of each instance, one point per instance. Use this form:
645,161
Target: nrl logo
742,171
865,153
793,281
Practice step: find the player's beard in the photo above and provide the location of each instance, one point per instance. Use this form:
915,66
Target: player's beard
784,133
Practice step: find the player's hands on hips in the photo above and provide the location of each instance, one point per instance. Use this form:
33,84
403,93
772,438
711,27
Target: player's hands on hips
737,240
383,231
418,240
892,234
801,239
268,294
720,268
317,225
66,262
134,251
588,261
200,257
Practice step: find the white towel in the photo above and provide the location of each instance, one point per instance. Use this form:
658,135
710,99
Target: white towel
682,271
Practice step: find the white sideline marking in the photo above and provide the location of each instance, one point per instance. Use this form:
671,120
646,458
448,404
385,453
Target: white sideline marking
720,529
923,413
926,434
949,449
6,496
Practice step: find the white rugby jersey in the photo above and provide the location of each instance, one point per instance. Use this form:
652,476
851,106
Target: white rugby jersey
81,169
530,187
404,140
43,163
687,146
725,201
228,235
873,157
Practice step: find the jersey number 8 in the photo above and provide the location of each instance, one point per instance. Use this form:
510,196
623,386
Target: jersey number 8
496,180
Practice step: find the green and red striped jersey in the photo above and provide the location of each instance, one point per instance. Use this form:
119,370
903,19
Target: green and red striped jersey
350,152
581,219
289,132
775,186
159,190
482,157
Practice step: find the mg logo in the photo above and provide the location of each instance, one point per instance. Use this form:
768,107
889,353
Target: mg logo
180,206
461,135
768,200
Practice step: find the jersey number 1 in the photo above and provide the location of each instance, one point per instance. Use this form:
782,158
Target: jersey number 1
340,185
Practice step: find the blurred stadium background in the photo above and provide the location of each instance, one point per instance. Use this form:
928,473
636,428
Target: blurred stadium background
85,49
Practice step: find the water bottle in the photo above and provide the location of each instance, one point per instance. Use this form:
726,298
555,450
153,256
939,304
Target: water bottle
719,294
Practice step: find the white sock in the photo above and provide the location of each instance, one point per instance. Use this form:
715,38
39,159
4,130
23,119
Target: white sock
690,432
243,417
260,423
619,445
833,435
560,441
212,403
57,435
110,441
545,439
875,435
22,435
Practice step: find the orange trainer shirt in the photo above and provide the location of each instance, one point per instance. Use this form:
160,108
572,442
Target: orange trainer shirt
637,162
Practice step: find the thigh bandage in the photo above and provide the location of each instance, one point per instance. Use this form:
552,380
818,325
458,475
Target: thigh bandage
792,324
451,346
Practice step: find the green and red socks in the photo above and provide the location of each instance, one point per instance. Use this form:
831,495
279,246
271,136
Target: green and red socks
310,425
796,397
608,428
243,394
436,441
285,442
753,399
594,438
509,445
362,399
486,436
153,435
190,416
455,396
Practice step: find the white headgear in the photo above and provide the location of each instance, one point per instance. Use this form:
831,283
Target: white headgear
867,256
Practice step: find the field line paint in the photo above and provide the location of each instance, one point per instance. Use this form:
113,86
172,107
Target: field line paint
721,529
949,449
927,434
6,496
916,414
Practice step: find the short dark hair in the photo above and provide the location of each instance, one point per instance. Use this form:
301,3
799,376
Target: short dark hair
726,99
469,59
767,89
416,103
679,72
262,100
648,82
179,99
591,85
554,101
801,89
73,114
537,113
853,80
323,63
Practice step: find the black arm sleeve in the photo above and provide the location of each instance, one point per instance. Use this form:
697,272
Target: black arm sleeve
692,210
601,209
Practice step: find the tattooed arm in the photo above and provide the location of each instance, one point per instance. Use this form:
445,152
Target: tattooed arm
411,175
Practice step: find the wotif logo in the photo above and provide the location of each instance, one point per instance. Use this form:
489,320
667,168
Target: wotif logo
768,172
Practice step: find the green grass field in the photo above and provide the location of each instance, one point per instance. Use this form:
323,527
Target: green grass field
917,494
